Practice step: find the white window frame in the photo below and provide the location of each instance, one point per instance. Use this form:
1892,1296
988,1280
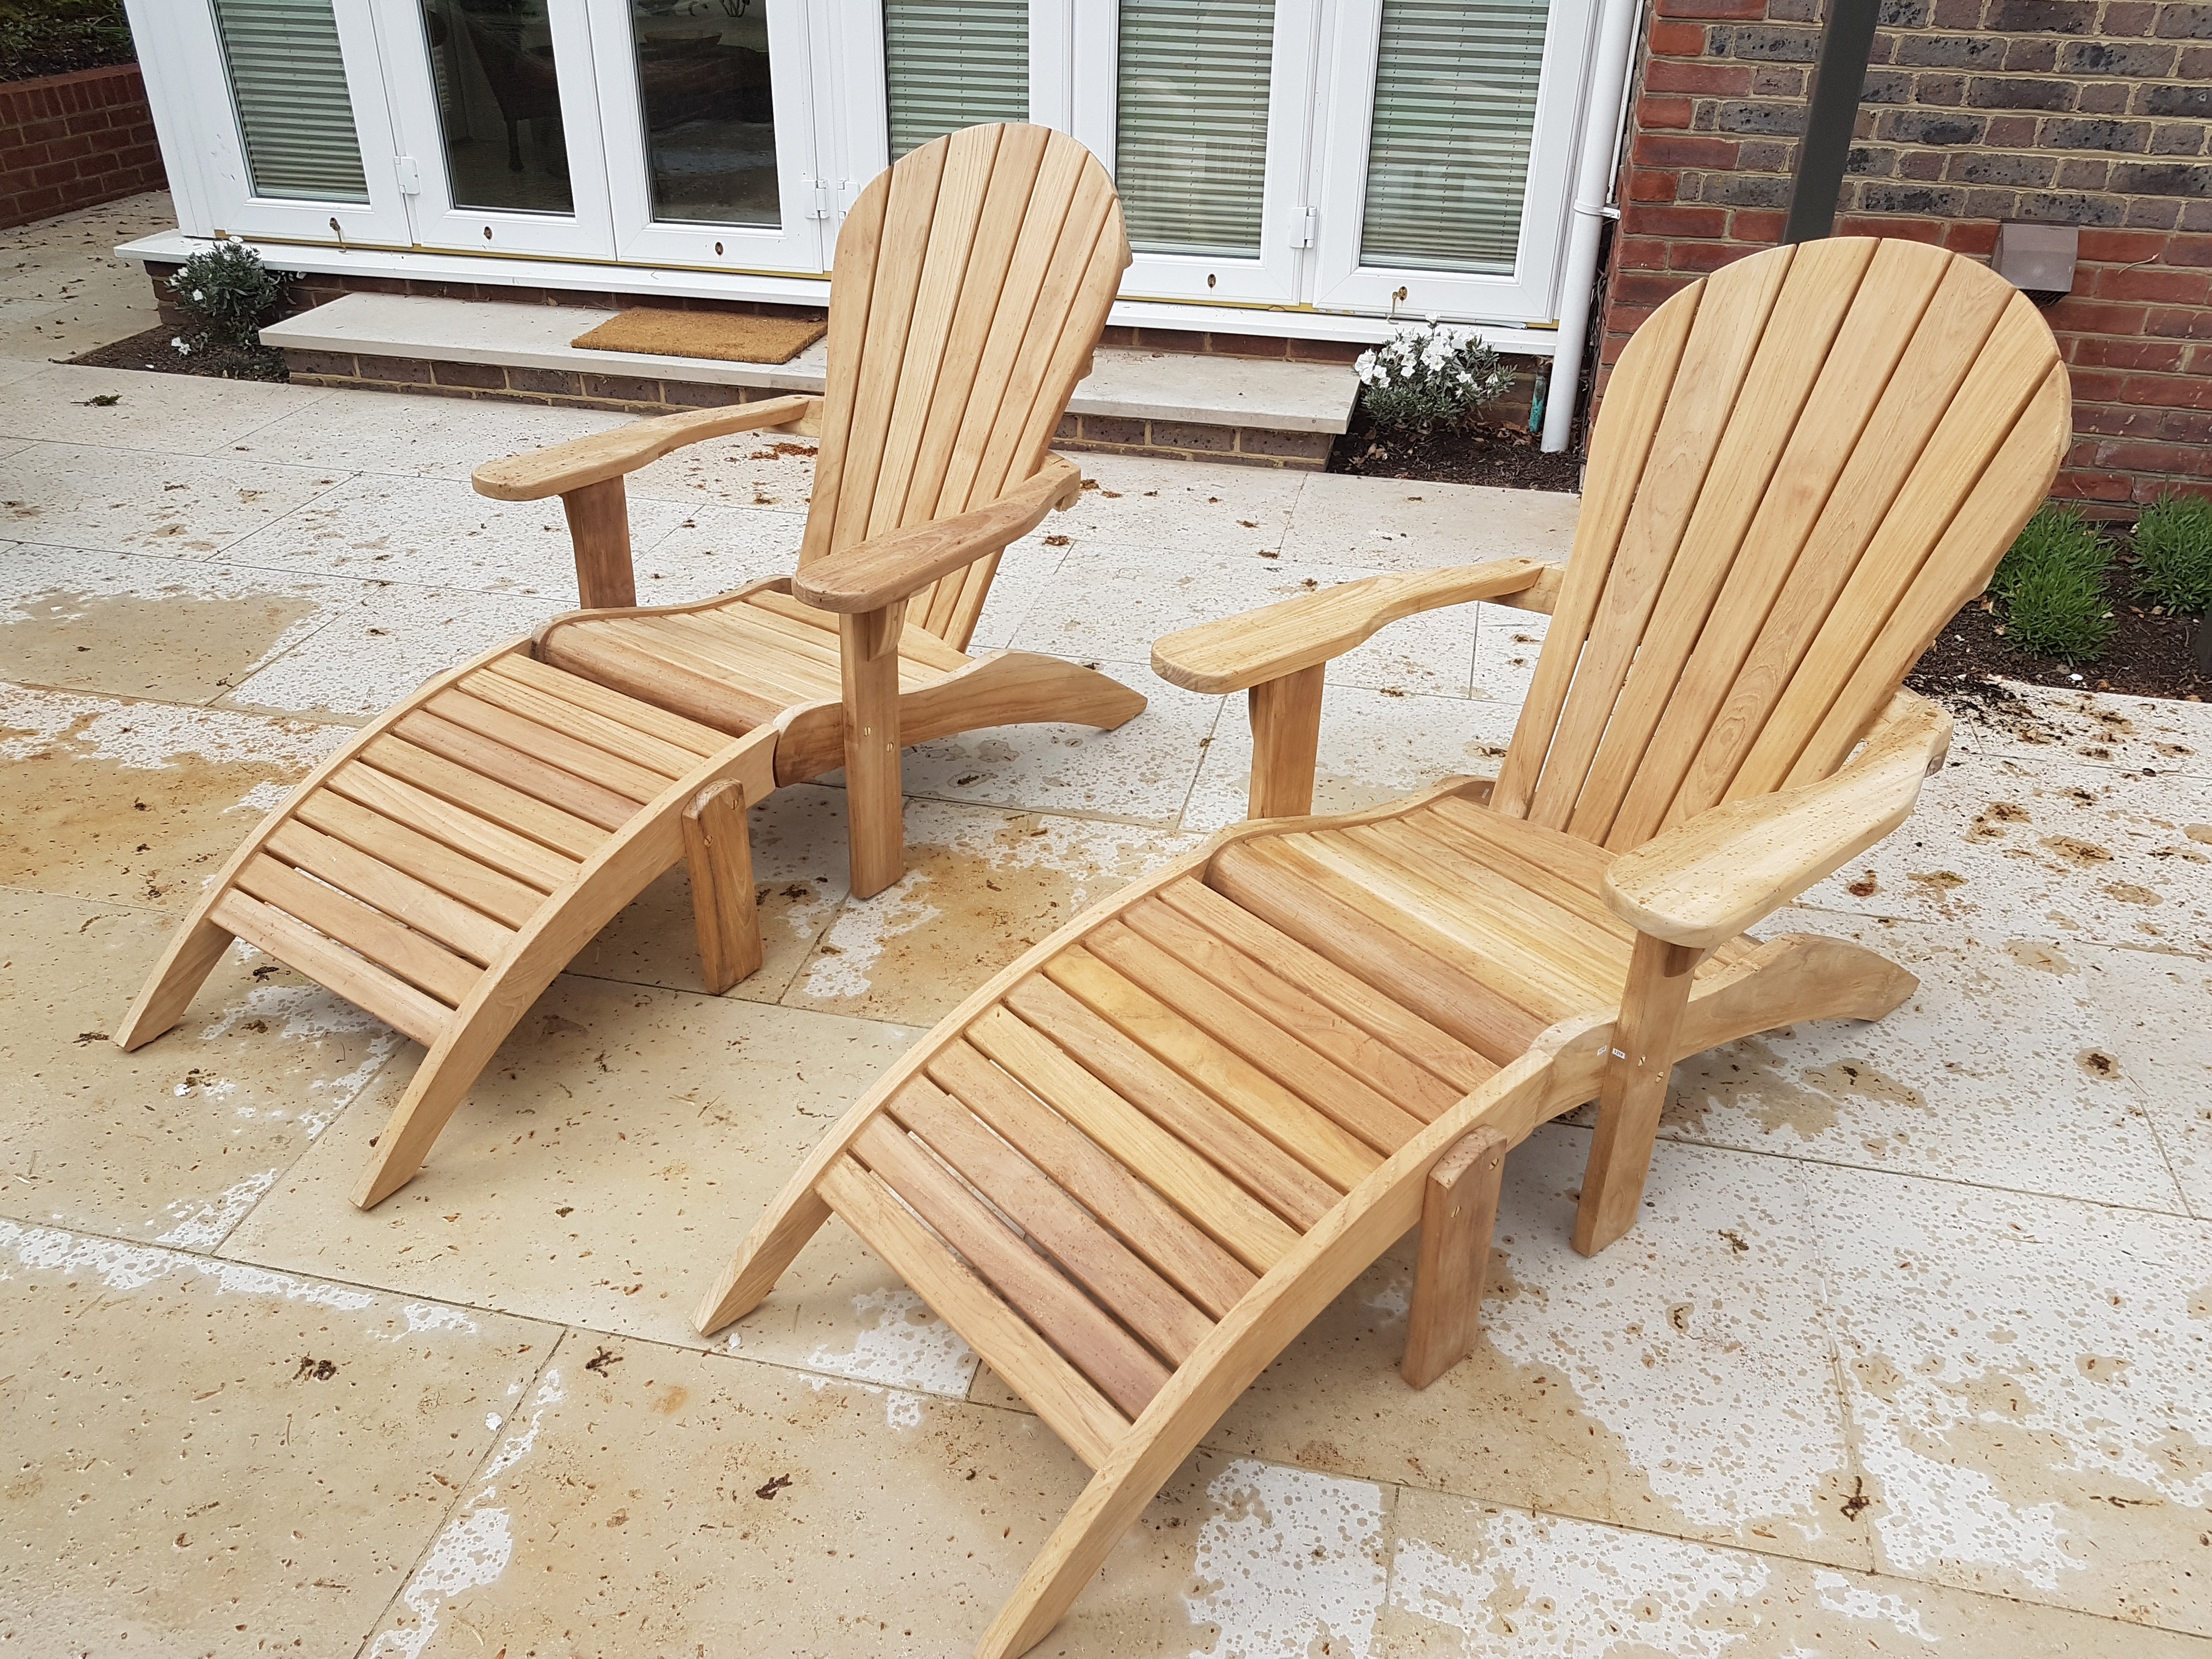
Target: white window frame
1343,124
439,223
796,244
206,151
1276,275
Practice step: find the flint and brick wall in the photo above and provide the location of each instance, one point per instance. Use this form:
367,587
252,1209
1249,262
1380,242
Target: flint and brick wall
74,141
2087,112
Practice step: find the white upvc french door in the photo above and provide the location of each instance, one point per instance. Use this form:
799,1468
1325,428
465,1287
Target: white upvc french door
1445,157
496,109
713,131
1204,118
278,108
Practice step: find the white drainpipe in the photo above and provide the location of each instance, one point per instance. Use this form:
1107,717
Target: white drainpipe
1604,116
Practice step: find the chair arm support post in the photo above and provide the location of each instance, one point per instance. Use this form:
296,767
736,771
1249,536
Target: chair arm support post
874,793
869,575
1286,738
1239,653
598,536
1634,1090
1708,879
563,468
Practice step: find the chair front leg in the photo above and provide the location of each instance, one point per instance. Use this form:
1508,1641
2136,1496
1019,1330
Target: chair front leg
1285,738
598,534
717,848
874,796
1635,1089
1458,1211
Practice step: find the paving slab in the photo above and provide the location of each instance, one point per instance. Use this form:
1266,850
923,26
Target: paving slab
177,1141
167,414
413,436
982,885
2030,1387
209,1458
603,1170
1396,524
1482,1581
63,290
181,506
2158,1014
138,803
2004,1069
1682,1382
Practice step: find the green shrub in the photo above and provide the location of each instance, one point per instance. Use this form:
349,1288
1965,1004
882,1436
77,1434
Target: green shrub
231,293
1429,374
2174,554
55,36
2052,585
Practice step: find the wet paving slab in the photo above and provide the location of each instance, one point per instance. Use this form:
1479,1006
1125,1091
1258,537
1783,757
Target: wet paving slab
205,1458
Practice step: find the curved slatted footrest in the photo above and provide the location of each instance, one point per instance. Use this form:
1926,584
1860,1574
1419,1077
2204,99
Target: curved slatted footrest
446,865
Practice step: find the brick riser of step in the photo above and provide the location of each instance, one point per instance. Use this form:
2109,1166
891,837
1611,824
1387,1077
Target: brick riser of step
642,395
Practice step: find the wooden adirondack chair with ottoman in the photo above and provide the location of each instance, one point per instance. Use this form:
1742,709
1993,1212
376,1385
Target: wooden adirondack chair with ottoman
446,863
1135,1165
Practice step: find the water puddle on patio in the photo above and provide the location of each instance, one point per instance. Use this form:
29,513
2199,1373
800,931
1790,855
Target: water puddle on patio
170,644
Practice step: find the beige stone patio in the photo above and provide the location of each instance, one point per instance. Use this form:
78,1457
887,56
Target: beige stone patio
1911,1353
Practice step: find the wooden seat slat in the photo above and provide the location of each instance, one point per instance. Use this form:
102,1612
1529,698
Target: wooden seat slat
1088,1338
1181,1253
329,964
1070,1406
392,891
1084,1247
432,863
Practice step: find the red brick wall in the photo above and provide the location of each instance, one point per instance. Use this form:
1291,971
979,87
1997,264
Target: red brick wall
2091,112
71,141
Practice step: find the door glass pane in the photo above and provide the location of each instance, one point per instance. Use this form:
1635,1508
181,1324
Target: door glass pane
288,84
1447,160
702,82
1191,139
953,63
499,100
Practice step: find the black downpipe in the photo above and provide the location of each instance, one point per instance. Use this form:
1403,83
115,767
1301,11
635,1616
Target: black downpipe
1831,112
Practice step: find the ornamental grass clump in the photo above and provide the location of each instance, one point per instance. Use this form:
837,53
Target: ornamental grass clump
230,293
2174,554
1428,375
2051,585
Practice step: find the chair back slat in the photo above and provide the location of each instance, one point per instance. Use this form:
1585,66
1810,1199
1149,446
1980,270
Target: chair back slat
972,281
1801,460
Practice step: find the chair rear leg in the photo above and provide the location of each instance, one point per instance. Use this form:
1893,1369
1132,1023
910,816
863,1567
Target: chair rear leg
774,1243
1634,1090
193,950
1459,1211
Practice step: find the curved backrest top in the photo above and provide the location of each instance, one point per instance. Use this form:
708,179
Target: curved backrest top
1805,463
972,281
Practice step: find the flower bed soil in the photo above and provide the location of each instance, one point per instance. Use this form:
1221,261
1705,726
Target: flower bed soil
152,349
2147,656
1502,457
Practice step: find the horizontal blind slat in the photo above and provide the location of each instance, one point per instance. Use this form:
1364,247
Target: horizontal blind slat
289,91
1190,152
953,63
1454,111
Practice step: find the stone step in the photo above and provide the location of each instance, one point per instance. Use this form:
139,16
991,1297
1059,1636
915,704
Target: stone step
1207,408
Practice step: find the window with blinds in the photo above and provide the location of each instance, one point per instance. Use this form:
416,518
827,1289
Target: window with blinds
1191,132
287,83
1454,109
953,63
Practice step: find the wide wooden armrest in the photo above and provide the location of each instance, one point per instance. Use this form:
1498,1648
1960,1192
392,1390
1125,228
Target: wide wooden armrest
884,569
1255,647
610,455
1705,880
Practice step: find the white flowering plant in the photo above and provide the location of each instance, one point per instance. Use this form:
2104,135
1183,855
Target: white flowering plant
1429,374
229,292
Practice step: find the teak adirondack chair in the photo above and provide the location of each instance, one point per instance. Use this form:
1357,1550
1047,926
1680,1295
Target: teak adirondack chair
1130,1169
444,865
